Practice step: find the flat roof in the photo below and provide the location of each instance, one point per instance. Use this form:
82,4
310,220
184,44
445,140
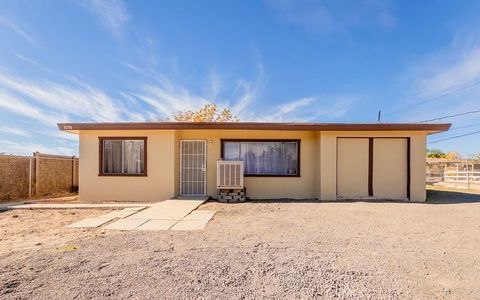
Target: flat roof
430,128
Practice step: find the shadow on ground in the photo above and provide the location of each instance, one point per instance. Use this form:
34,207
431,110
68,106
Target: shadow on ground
433,197
451,197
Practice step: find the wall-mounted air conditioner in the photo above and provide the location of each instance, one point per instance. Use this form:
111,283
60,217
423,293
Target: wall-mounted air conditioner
229,174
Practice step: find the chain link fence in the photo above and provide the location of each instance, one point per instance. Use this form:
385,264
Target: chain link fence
37,175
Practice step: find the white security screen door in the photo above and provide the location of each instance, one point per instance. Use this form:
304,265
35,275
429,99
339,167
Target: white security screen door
193,163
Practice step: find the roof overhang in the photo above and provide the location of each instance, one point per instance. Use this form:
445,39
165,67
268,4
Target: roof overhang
429,128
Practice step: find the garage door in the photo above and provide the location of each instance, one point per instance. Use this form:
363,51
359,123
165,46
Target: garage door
390,168
352,167
372,167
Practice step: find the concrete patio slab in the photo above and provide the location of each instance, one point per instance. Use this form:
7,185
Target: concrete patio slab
190,225
172,209
126,224
120,213
164,214
159,216
135,208
90,222
157,225
200,215
182,203
196,220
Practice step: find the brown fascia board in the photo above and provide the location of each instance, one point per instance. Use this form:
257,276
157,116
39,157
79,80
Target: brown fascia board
430,128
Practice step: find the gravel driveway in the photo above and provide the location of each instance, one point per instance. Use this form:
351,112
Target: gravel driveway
251,250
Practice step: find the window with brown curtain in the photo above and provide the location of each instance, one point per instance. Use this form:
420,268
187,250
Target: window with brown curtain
123,156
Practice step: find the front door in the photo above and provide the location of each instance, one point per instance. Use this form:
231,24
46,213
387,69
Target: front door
193,167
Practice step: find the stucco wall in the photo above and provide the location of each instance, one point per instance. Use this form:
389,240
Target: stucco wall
318,151
418,152
303,187
158,185
328,155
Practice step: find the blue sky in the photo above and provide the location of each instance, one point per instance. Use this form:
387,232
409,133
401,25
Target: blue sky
285,60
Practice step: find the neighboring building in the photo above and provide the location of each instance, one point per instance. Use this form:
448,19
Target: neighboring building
158,160
439,165
453,172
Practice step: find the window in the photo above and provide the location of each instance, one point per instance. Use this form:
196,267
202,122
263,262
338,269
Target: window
265,157
123,156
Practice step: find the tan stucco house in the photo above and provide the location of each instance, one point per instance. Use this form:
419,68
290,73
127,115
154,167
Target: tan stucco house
154,161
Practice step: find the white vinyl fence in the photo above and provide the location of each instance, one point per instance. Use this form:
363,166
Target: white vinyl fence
462,178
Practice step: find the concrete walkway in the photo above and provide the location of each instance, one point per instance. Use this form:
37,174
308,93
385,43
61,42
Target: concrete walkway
196,220
98,221
173,209
175,214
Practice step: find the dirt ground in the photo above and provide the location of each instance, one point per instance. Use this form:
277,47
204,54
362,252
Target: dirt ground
52,198
253,250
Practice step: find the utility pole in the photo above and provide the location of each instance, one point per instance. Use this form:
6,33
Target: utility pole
379,116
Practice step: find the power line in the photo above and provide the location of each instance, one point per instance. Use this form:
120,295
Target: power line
450,116
434,98
448,133
465,126
454,137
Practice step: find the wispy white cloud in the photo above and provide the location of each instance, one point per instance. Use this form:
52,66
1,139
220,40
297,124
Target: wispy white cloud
331,107
135,68
53,99
20,107
215,86
135,112
455,67
33,63
288,108
333,15
247,92
57,134
168,99
19,30
294,105
14,131
445,75
26,148
168,93
112,14
311,109
243,97
81,100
